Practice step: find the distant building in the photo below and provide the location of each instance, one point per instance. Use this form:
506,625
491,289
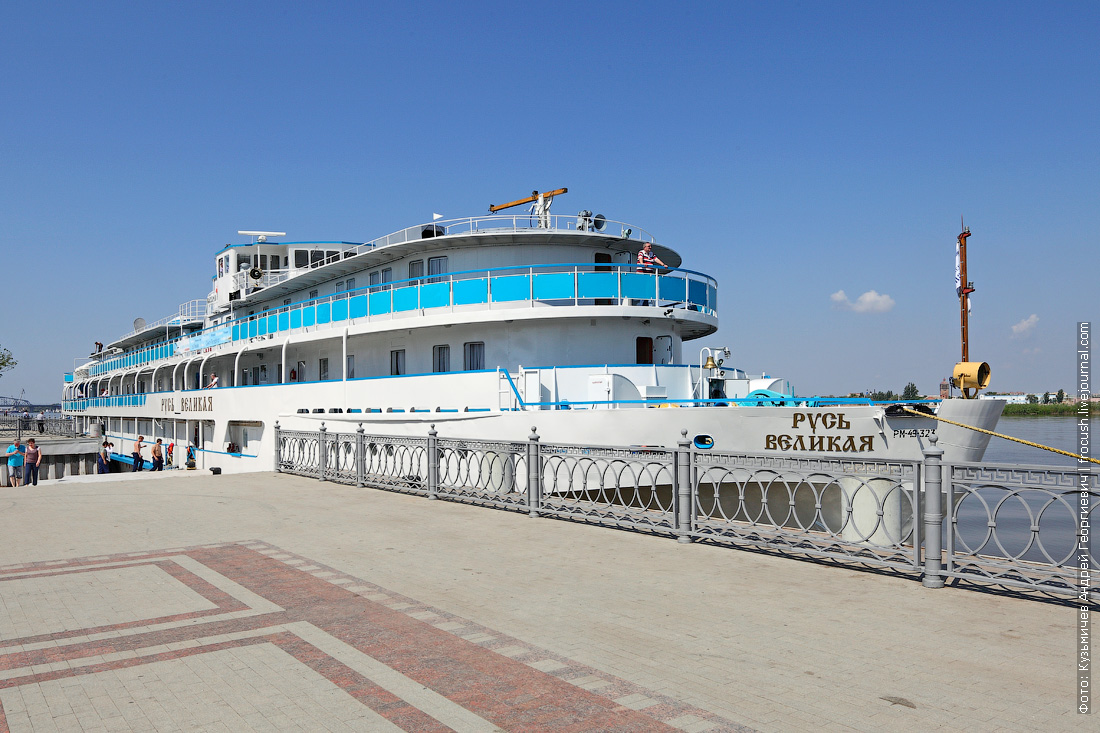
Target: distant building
945,389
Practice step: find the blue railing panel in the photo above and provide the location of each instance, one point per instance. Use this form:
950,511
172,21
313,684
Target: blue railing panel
471,291
261,326
638,286
309,316
435,295
296,318
671,288
357,307
405,299
380,302
597,285
697,293
284,321
712,298
340,310
554,286
272,323
324,313
511,287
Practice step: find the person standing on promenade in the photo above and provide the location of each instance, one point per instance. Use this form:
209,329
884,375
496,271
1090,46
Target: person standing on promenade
41,418
15,462
158,456
103,458
138,461
33,460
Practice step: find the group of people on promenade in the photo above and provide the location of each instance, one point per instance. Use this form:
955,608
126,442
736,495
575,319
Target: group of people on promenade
157,451
24,462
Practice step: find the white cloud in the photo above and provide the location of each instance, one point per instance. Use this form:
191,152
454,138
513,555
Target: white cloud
1025,327
870,302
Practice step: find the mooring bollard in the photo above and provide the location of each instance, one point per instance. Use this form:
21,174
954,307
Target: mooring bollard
278,449
322,451
534,474
360,456
433,463
933,515
681,468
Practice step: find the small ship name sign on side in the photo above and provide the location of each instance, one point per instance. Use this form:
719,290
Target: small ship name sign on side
188,404
837,443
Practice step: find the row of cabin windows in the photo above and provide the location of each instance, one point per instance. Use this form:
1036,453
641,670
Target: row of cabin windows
436,266
473,360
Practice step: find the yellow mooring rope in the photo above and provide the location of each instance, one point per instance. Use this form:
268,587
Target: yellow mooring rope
1000,435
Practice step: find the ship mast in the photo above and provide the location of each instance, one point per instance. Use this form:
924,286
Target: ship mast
965,288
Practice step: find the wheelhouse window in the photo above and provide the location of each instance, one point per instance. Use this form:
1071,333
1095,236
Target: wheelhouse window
397,362
301,258
436,266
316,258
473,356
441,358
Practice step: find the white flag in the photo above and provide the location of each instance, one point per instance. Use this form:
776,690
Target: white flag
958,269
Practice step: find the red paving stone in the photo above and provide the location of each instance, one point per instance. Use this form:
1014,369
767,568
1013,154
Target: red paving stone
501,689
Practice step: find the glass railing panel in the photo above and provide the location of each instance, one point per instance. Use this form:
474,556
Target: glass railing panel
340,310
597,285
639,286
309,316
670,287
380,302
405,299
554,286
283,322
296,318
697,293
357,307
471,291
435,295
511,287
324,313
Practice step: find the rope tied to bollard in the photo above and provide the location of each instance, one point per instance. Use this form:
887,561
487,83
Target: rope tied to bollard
1002,435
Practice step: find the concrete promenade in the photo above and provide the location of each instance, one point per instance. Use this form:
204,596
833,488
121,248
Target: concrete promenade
270,602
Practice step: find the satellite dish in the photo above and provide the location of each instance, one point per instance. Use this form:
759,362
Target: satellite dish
255,274
598,222
139,323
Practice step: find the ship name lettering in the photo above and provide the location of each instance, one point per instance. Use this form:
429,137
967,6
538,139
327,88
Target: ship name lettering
167,404
820,443
827,420
196,404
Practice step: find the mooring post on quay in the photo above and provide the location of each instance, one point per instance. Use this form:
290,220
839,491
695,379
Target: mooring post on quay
278,450
933,515
322,452
433,463
360,456
534,474
681,468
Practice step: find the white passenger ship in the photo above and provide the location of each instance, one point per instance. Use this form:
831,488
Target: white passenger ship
484,327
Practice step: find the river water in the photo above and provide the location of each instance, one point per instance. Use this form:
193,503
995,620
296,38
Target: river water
1057,432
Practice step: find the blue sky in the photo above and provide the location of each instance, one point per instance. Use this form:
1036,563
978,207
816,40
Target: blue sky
791,150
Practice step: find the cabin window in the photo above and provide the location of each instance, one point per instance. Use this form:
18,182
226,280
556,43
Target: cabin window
416,269
441,358
372,280
286,301
473,356
387,276
322,369
436,266
278,374
244,377
339,287
397,362
351,283
256,375
301,372
301,258
312,294
644,349
349,368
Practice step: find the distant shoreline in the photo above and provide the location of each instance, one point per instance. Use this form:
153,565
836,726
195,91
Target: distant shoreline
1055,409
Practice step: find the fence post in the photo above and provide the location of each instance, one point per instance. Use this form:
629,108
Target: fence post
433,463
681,460
534,474
322,451
278,450
360,456
933,515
